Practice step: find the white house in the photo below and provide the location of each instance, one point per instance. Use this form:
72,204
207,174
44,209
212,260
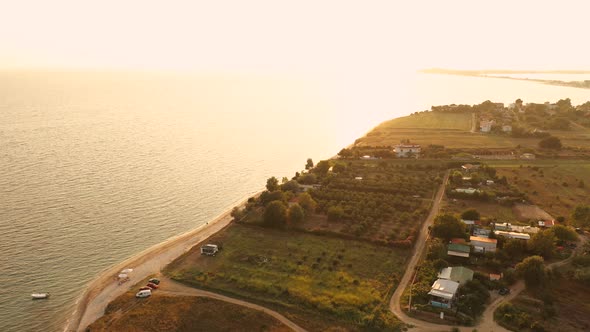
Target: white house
525,229
486,126
513,235
506,128
469,191
527,156
405,150
443,292
483,244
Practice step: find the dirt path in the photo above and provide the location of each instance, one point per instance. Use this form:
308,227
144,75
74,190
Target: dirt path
104,289
172,288
395,303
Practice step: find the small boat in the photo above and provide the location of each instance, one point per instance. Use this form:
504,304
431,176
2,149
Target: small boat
40,296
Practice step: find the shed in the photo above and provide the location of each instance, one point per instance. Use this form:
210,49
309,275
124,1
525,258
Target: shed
458,274
483,244
458,250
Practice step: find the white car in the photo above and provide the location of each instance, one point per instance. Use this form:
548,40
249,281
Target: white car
144,293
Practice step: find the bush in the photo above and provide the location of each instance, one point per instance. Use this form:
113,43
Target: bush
335,213
550,142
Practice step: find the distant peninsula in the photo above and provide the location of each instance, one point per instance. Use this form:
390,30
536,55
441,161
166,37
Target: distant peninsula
583,84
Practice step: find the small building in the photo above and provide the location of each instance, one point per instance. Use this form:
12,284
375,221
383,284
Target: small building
494,276
358,178
527,156
481,232
489,182
546,223
458,274
483,244
406,150
468,222
469,167
443,292
458,250
513,235
486,126
525,229
505,226
507,128
469,191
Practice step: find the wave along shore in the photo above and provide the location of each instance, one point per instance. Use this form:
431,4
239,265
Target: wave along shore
104,289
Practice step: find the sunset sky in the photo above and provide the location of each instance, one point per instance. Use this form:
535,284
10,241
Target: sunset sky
282,36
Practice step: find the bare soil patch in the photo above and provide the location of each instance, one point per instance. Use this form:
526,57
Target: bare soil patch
525,212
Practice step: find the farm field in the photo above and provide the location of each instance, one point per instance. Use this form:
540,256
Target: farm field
182,314
344,280
557,186
487,210
434,120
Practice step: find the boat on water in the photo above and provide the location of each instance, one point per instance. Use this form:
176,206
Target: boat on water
40,296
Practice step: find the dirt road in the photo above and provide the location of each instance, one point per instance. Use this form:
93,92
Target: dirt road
172,288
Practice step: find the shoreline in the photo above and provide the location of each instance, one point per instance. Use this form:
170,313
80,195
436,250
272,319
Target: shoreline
103,289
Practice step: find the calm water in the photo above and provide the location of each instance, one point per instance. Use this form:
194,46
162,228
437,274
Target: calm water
95,167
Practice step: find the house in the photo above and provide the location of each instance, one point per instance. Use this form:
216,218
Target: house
489,182
469,191
486,126
546,223
209,249
469,167
513,235
525,229
358,178
458,274
483,244
468,222
481,232
507,128
505,226
406,150
443,292
527,156
494,276
458,250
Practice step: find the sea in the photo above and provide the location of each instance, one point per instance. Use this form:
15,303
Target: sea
96,166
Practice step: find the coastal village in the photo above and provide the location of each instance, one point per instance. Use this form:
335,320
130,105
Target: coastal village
415,233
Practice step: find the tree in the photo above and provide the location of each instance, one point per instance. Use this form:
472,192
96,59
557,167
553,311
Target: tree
581,216
472,298
335,213
447,227
322,167
309,164
237,213
267,196
543,243
307,203
550,142
295,214
457,177
514,248
563,233
345,153
275,214
272,184
470,214
532,269
290,186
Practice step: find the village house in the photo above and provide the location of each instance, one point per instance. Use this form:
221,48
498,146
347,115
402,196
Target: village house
481,232
458,250
525,229
469,167
482,244
527,156
513,235
505,226
546,223
507,128
445,288
469,191
406,150
486,125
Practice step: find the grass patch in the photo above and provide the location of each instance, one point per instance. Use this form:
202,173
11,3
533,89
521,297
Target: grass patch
347,280
434,120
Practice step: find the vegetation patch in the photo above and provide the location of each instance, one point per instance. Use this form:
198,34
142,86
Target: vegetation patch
350,281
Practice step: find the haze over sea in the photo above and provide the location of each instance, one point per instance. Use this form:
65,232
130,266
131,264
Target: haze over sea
95,167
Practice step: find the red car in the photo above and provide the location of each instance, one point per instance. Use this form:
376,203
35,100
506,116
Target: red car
152,285
145,288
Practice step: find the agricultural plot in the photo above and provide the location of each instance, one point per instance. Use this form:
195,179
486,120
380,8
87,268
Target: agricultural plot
380,201
299,274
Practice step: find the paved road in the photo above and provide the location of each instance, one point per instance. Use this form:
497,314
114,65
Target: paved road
172,288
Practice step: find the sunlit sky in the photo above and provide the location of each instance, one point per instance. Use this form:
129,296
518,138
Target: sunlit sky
293,36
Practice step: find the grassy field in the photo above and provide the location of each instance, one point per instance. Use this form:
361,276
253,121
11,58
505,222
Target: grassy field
346,280
487,210
162,313
438,120
555,186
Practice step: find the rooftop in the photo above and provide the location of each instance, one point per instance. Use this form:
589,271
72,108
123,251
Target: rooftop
482,239
444,288
458,274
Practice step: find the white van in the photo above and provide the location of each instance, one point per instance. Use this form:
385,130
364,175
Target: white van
144,293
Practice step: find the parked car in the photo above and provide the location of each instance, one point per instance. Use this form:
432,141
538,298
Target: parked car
504,291
154,281
144,293
152,285
145,288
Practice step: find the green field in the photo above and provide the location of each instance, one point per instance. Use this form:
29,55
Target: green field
430,120
346,280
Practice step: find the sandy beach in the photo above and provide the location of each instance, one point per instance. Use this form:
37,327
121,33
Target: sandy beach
105,288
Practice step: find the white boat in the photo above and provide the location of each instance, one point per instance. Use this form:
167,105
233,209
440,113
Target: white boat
39,296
